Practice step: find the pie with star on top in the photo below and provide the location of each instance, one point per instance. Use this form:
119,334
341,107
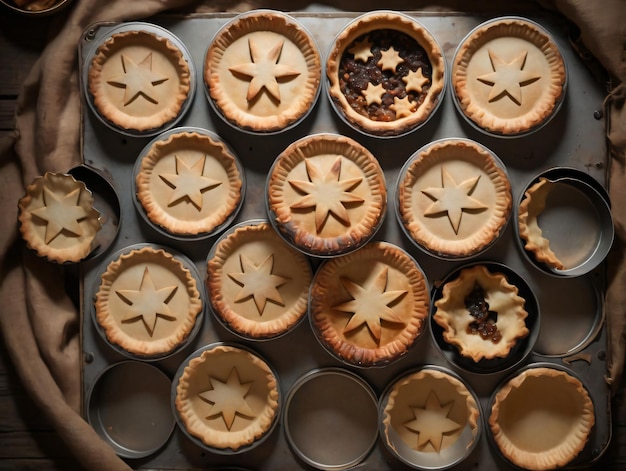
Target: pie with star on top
454,198
189,183
368,307
262,71
57,218
227,397
508,76
139,81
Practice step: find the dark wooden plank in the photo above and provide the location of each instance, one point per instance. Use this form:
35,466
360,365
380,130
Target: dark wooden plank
7,114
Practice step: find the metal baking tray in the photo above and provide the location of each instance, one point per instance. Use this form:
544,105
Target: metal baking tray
574,138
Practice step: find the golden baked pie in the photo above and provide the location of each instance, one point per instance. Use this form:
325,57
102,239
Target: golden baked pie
454,198
262,71
508,76
430,411
227,397
147,302
541,419
385,73
531,207
258,285
189,183
326,194
481,314
139,81
369,307
57,218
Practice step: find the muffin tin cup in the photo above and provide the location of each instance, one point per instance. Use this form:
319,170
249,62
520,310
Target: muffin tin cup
217,316
149,28
188,264
447,458
578,224
476,126
523,347
129,407
386,135
439,255
163,230
330,419
195,440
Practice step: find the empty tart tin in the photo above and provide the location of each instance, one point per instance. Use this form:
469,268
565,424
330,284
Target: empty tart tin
127,54
226,398
257,284
429,418
564,224
500,297
330,419
129,407
509,77
148,302
188,184
262,72
385,74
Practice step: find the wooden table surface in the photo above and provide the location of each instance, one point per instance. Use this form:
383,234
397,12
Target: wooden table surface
27,441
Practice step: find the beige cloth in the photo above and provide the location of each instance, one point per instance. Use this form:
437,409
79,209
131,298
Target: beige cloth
39,323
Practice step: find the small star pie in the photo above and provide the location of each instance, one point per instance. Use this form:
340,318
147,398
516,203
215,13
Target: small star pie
139,81
57,218
369,307
189,183
509,76
374,93
362,50
263,71
227,398
258,285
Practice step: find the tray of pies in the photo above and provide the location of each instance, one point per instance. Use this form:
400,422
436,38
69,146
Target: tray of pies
327,239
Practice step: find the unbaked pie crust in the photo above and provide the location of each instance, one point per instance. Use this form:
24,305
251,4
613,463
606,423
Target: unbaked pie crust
263,71
147,302
258,285
227,397
189,183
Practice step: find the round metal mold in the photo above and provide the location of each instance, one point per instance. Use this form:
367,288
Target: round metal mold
447,457
149,28
216,315
197,441
129,407
187,263
330,419
523,346
386,134
400,181
455,99
246,129
164,231
576,220
56,7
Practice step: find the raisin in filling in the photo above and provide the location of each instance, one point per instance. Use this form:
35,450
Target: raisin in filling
485,320
355,75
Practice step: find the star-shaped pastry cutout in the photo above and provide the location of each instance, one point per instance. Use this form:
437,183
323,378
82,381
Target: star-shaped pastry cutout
374,93
258,282
264,70
148,303
61,213
189,182
402,107
390,59
327,193
228,398
362,50
415,80
370,304
138,79
453,199
432,423
508,78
